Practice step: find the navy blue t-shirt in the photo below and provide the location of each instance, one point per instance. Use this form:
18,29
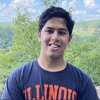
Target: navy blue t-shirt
31,82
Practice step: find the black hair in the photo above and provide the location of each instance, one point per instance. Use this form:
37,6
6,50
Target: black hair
56,12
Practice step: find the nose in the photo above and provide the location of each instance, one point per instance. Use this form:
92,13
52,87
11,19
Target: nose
55,36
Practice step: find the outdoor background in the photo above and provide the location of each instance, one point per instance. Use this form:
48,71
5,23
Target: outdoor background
18,34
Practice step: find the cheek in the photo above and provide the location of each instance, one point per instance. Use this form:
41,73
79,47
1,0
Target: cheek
65,43
65,40
45,39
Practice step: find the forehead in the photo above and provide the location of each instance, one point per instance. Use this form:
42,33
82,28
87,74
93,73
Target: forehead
56,22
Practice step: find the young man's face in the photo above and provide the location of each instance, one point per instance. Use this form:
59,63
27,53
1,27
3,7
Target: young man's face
54,38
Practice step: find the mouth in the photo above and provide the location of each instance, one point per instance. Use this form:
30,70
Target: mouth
54,45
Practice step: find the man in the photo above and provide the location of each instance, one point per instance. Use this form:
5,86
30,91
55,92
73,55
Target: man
50,77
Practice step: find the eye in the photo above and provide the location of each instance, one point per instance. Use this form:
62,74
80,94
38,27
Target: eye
62,32
49,31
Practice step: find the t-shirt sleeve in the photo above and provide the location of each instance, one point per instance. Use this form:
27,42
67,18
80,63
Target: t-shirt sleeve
88,92
12,90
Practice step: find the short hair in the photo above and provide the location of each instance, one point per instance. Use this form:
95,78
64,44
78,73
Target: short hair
52,12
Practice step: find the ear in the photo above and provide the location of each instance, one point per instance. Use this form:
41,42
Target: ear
70,37
39,36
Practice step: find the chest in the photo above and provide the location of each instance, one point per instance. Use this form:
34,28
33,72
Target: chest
50,87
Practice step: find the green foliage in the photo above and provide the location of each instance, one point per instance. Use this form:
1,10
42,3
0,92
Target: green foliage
49,3
25,38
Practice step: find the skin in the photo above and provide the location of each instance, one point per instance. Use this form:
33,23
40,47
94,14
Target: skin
54,38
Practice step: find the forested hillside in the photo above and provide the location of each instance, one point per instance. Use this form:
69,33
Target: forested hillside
6,33
87,28
88,24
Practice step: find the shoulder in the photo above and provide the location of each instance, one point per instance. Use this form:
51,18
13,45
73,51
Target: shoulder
24,68
79,73
21,74
80,77
84,81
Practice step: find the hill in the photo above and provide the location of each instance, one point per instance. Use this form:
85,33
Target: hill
87,27
87,24
5,35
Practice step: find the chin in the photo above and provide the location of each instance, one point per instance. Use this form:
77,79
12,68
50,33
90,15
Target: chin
55,56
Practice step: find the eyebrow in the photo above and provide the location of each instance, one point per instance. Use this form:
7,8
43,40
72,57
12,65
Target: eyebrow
60,29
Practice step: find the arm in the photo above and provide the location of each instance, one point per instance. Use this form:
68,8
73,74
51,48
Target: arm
88,92
12,90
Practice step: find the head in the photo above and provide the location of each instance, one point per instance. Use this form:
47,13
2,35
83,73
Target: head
53,12
55,29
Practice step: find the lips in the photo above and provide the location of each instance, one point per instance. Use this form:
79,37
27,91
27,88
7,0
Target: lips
54,45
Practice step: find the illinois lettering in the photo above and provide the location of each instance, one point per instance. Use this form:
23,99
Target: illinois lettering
50,92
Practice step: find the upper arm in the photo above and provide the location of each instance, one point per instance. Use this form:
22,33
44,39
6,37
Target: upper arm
88,91
12,90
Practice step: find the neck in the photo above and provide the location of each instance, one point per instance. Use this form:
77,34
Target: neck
52,64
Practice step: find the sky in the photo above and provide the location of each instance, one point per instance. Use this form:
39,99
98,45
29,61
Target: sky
82,9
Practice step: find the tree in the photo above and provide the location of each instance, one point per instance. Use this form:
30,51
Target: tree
48,3
25,37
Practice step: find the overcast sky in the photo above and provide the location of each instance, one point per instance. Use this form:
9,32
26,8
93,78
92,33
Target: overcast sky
83,9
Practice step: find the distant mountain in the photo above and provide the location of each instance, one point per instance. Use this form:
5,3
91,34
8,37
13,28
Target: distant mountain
94,24
5,22
5,35
89,26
